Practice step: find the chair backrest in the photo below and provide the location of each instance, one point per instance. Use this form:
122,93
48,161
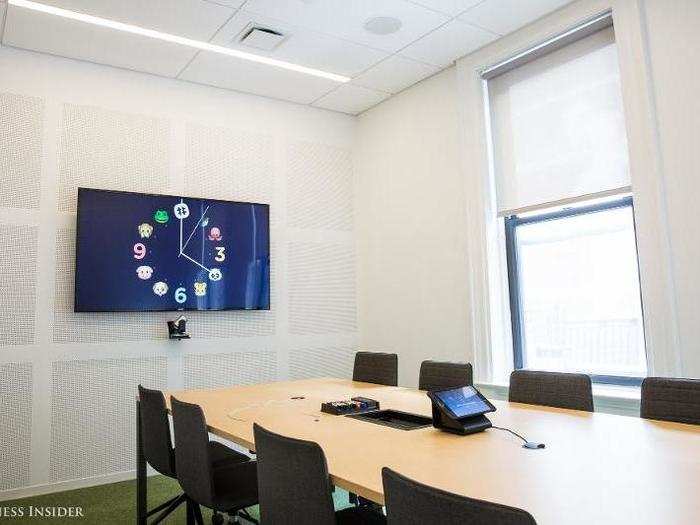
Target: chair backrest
554,389
194,470
671,399
411,503
293,481
376,367
440,375
155,431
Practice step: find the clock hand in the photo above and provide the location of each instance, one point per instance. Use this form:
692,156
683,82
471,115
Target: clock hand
194,230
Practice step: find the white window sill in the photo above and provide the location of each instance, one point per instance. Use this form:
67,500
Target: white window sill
612,399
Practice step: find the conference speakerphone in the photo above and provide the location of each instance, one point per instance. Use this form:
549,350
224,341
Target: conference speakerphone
460,410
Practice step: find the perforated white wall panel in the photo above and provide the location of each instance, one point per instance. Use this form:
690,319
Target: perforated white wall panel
319,186
106,149
17,284
321,362
16,427
228,164
237,368
76,124
321,288
21,133
93,414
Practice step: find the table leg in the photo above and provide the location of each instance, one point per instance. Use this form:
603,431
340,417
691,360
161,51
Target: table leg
141,477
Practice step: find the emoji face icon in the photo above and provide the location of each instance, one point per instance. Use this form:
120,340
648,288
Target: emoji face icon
200,289
161,216
145,230
215,234
144,272
181,211
160,288
215,274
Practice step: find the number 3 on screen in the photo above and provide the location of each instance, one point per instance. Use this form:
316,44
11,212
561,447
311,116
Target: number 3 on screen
220,255
139,251
180,295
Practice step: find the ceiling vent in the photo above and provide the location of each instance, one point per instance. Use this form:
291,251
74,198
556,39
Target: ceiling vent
260,37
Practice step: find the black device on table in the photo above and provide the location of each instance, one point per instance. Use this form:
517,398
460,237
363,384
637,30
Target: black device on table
460,410
355,405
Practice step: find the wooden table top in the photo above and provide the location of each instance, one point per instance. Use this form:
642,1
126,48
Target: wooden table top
596,468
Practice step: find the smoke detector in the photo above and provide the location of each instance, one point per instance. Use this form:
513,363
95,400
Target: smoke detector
260,37
383,25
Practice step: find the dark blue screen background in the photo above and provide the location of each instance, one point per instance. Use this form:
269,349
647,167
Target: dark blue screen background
463,401
106,276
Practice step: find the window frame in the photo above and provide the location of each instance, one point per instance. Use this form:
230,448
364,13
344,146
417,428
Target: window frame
514,287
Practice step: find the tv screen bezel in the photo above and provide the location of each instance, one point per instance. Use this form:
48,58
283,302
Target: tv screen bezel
167,309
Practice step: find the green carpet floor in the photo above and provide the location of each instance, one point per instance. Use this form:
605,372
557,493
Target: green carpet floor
116,503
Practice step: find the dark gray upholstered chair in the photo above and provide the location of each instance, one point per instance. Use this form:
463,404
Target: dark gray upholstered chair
671,399
554,389
294,486
441,375
376,367
210,473
411,503
157,445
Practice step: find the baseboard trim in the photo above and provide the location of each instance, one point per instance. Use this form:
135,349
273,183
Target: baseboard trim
61,486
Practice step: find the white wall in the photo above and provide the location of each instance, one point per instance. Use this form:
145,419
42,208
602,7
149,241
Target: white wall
410,214
68,381
674,48
422,292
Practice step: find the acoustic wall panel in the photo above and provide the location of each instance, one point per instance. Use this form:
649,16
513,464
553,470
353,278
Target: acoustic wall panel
93,414
16,427
321,362
227,369
82,327
228,164
319,186
106,149
17,284
322,295
21,134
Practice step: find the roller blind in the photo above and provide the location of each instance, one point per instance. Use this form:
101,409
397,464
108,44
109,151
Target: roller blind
558,127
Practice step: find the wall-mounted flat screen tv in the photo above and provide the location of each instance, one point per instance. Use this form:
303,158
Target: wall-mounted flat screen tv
143,252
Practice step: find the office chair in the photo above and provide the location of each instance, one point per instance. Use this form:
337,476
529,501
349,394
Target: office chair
294,486
671,399
210,473
554,389
441,375
411,503
376,367
157,446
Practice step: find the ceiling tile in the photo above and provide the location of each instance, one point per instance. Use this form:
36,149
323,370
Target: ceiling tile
451,41
351,99
194,19
73,39
302,46
346,18
505,16
449,7
243,75
395,74
229,3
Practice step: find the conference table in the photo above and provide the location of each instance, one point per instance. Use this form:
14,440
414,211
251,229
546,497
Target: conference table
596,468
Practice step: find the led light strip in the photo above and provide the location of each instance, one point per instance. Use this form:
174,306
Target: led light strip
203,46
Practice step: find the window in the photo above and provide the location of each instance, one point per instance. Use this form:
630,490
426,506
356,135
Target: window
560,171
574,292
